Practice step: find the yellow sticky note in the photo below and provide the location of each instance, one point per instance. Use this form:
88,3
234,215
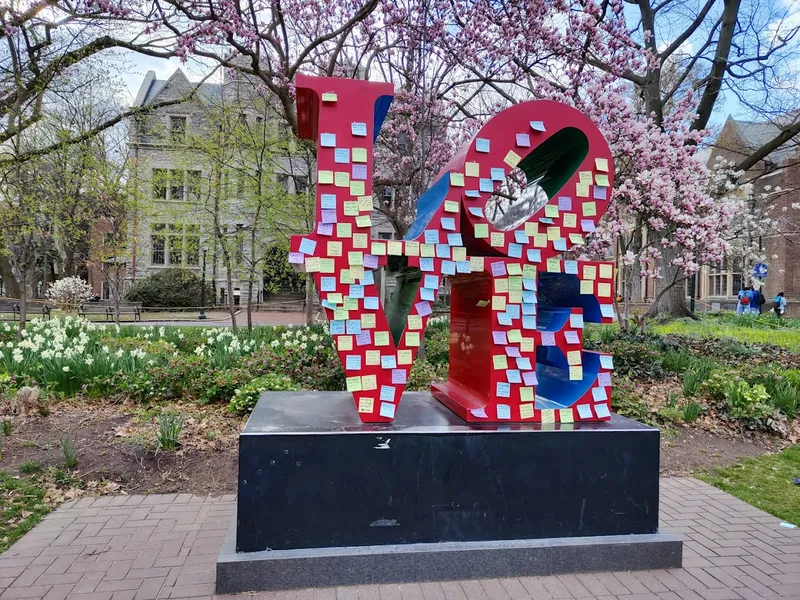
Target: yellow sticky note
325,177
368,321
540,240
381,338
344,342
576,238
334,248
357,188
369,382
514,269
365,204
526,394
355,258
498,239
476,264
574,357
335,298
340,313
342,179
364,221
427,250
366,405
459,253
512,159
350,303
604,290
412,248
312,264
553,233
575,373
531,228
378,248
404,357
515,336
551,211
481,230
515,284
500,285
585,177
570,220
394,248
526,411
344,230
373,357
450,206
482,303
553,265
357,272
359,155
601,180
473,169
350,208
500,361
548,416
360,240
329,97
498,302
589,272
582,190
353,383
565,415
587,287
526,344
606,271
327,265
412,338
515,297
529,271
601,164
414,322
457,179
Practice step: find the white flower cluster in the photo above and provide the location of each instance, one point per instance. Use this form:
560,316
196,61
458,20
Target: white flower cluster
299,337
70,290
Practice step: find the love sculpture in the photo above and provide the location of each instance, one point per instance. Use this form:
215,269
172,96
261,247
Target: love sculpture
517,310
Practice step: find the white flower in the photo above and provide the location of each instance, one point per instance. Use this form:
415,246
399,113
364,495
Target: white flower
89,360
65,369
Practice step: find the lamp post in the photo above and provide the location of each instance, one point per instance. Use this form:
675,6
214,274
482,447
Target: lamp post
203,288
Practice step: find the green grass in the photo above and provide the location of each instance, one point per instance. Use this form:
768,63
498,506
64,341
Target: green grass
22,506
787,338
766,482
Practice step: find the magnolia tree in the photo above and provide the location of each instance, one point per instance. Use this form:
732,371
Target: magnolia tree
70,292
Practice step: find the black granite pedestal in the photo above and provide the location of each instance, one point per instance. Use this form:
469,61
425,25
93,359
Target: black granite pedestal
326,500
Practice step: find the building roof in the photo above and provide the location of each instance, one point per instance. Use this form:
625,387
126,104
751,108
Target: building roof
754,134
152,86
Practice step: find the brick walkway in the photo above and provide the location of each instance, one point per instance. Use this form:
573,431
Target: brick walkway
148,547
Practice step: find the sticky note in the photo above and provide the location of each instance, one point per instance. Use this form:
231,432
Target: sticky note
360,240
537,125
574,357
457,179
498,303
368,321
472,169
329,96
553,265
481,145
565,415
341,155
587,287
476,263
378,248
450,206
498,239
500,361
589,209
414,322
604,290
503,391
404,357
459,253
500,284
381,338
551,211
373,357
526,411
606,271
589,272
325,177
582,190
357,188
601,164
601,180
369,382
512,159
365,405
327,140
523,140
481,230
353,383
359,155
412,248
358,129
312,265
341,179
575,373
526,395
389,361
412,338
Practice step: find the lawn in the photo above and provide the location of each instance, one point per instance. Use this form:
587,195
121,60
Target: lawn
766,482
22,506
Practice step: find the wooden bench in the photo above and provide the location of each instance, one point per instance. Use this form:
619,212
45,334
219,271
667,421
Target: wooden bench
13,308
86,310
126,310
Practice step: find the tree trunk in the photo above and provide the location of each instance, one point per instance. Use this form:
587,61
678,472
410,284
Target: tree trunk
229,277
23,304
9,281
309,299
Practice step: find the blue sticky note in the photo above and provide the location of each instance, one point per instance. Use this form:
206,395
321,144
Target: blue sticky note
560,244
341,155
463,266
352,362
359,129
431,282
607,362
442,251
607,310
599,193
328,200
448,267
529,296
327,140
431,236
476,210
503,389
486,185
529,322
449,223
571,267
537,125
472,194
454,239
535,256
546,220
503,411
528,283
389,361
521,237
503,319
512,310
307,246
427,294
328,284
481,145
513,376
564,203
387,393
426,264
524,363
356,291
371,302
498,174
353,326
368,278
515,250
359,172
327,304
528,308
337,327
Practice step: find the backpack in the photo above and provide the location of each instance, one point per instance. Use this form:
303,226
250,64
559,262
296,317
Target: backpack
761,299
745,299
777,302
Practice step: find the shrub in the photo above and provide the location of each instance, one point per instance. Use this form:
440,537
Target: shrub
6,425
437,343
691,381
170,425
635,359
746,402
246,397
70,291
169,288
627,403
676,362
691,410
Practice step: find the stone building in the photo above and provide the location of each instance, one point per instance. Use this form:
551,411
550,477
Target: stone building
191,198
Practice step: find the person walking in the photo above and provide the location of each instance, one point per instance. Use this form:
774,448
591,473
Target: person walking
779,304
758,301
743,304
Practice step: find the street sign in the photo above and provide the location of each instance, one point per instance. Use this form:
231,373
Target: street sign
760,270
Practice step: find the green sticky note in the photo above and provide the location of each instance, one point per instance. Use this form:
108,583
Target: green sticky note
381,338
325,177
481,230
359,155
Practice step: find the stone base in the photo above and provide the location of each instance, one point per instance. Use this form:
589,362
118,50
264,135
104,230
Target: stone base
412,563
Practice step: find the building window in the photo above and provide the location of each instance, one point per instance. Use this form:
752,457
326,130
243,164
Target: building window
177,129
300,184
384,235
193,245
176,188
194,181
160,184
157,243
239,243
283,182
175,245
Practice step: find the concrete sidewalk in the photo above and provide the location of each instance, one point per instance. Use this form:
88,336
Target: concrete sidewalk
165,546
